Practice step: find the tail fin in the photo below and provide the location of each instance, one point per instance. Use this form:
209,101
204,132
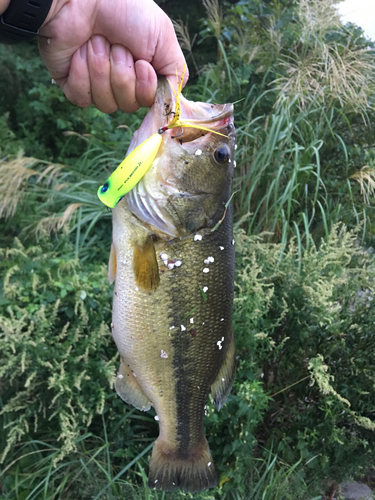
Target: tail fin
169,471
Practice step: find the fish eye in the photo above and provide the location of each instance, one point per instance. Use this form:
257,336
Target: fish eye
222,154
104,188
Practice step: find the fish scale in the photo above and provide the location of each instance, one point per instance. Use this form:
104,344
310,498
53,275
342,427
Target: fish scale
167,361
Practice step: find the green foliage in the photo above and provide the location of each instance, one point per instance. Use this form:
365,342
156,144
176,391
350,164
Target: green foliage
301,406
50,198
305,360
305,87
8,142
37,113
54,341
304,320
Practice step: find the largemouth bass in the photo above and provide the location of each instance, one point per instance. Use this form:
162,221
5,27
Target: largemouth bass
172,259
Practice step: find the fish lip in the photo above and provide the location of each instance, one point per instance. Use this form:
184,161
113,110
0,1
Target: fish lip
226,112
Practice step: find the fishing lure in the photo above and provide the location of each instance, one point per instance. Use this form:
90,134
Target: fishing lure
137,163
130,171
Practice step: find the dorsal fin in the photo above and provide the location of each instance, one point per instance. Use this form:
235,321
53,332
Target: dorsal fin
145,266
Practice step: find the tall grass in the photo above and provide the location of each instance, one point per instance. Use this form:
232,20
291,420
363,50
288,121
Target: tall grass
287,130
304,87
87,473
279,160
62,198
90,474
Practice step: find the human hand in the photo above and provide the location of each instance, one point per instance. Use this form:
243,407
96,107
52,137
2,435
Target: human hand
109,52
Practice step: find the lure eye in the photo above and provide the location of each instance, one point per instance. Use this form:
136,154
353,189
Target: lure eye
222,154
104,188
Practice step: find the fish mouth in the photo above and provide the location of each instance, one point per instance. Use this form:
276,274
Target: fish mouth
221,121
216,117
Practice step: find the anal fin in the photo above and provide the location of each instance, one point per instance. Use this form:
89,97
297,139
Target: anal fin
129,390
222,385
145,266
112,264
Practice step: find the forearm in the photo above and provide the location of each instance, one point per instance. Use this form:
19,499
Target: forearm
3,5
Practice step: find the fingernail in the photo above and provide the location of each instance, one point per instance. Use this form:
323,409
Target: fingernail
118,54
141,73
98,45
83,51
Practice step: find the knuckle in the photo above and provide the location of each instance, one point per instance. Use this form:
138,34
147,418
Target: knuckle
123,80
130,107
99,68
187,73
78,97
106,107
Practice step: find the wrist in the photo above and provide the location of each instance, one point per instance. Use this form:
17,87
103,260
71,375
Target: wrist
56,7
22,19
4,5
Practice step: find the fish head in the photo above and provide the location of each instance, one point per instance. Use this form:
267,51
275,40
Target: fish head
189,183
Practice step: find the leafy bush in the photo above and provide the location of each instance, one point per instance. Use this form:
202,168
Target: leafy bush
57,354
304,321
38,114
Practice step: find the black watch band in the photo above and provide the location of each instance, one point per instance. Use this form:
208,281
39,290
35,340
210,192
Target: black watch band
22,20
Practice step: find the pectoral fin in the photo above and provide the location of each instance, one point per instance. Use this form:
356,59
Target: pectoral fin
129,390
222,385
145,266
112,265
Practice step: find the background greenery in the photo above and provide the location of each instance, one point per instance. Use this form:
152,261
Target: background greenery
301,413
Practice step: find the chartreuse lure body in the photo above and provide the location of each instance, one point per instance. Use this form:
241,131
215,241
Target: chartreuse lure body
130,171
